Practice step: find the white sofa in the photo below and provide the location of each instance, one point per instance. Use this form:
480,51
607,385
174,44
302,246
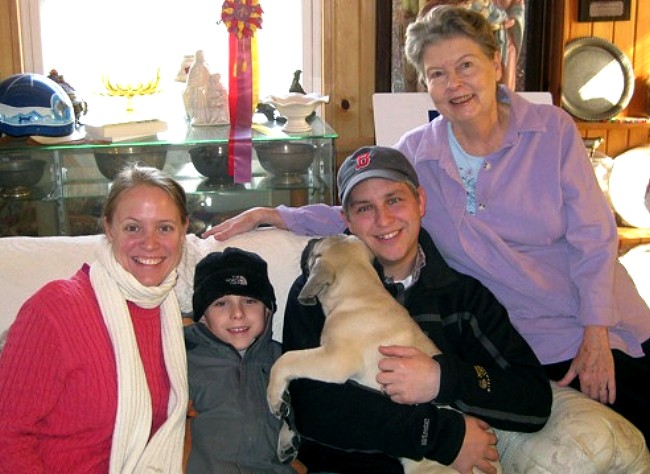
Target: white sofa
581,437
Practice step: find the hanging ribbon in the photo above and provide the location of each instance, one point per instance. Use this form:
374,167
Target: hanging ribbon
242,18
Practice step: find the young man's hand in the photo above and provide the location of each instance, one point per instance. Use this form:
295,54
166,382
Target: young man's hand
479,448
408,375
244,222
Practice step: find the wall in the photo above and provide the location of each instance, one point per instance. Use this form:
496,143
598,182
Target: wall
349,64
349,71
10,61
633,38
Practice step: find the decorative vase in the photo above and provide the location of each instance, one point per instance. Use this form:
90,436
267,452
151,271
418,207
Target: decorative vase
184,69
296,107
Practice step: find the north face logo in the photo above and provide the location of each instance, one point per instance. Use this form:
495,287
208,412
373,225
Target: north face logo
237,280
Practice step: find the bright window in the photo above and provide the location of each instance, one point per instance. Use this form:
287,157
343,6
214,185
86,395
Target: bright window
128,40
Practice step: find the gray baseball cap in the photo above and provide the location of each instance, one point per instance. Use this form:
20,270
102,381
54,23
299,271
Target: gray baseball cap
374,162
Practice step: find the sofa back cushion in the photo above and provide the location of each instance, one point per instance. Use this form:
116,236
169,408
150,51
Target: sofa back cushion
27,263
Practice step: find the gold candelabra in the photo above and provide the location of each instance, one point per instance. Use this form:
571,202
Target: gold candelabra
130,90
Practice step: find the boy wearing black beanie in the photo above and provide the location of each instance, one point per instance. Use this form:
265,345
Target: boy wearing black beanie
230,353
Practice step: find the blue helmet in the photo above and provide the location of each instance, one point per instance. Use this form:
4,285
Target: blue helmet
32,104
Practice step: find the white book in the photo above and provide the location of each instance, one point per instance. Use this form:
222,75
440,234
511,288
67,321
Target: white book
121,131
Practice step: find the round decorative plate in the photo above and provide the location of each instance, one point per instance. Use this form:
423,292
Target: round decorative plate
637,263
629,186
598,79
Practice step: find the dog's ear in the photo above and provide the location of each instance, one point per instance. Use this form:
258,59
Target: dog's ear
304,257
320,276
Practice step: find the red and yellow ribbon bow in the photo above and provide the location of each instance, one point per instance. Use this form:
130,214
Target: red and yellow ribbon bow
242,18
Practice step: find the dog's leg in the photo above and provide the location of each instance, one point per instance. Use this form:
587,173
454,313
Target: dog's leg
315,364
426,466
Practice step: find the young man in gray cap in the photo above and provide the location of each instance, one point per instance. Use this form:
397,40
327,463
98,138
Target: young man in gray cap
484,371
229,355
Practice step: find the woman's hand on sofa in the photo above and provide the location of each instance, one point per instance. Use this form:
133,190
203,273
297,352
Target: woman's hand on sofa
594,365
244,222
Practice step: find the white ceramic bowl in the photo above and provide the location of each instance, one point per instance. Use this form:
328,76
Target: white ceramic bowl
296,108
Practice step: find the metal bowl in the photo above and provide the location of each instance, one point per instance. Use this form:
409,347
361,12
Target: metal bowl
111,161
288,162
212,162
18,175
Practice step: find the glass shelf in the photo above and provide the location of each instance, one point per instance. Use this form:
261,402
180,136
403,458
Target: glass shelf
178,134
69,198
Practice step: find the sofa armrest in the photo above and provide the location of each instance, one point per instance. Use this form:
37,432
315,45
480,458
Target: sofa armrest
581,436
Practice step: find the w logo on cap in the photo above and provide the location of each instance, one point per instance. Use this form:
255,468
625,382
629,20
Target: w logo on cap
363,160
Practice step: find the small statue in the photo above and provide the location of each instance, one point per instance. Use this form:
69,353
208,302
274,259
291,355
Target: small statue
268,110
205,98
194,95
297,88
79,106
295,85
218,106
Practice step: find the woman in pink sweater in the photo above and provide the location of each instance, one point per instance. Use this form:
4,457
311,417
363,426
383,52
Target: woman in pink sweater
93,372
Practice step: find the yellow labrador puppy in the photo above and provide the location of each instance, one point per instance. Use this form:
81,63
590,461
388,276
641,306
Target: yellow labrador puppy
358,319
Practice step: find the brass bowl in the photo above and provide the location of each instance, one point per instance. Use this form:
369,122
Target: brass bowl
17,176
287,162
111,161
212,162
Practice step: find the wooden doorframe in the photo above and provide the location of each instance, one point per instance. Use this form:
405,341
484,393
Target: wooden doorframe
383,42
10,49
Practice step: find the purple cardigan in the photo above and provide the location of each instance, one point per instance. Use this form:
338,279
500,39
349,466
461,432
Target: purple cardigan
543,239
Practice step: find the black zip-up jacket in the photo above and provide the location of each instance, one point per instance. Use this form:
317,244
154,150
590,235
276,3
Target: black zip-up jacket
487,370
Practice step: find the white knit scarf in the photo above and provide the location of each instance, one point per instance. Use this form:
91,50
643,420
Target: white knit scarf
130,451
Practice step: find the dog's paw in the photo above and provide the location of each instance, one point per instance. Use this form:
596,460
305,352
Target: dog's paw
284,411
288,443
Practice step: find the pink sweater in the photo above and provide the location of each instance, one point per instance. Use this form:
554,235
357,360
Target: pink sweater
58,381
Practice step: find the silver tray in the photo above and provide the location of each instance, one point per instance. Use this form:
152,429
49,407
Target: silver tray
629,186
598,79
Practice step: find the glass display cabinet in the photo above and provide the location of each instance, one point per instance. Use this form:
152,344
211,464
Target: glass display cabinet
60,189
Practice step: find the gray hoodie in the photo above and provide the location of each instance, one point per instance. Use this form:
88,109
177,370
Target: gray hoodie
234,430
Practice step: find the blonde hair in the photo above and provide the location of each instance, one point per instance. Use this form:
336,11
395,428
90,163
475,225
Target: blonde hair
135,175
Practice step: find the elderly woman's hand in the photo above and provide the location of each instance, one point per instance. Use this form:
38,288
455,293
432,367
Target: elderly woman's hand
594,366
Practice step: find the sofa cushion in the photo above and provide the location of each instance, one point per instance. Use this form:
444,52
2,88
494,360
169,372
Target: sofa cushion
27,263
280,248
